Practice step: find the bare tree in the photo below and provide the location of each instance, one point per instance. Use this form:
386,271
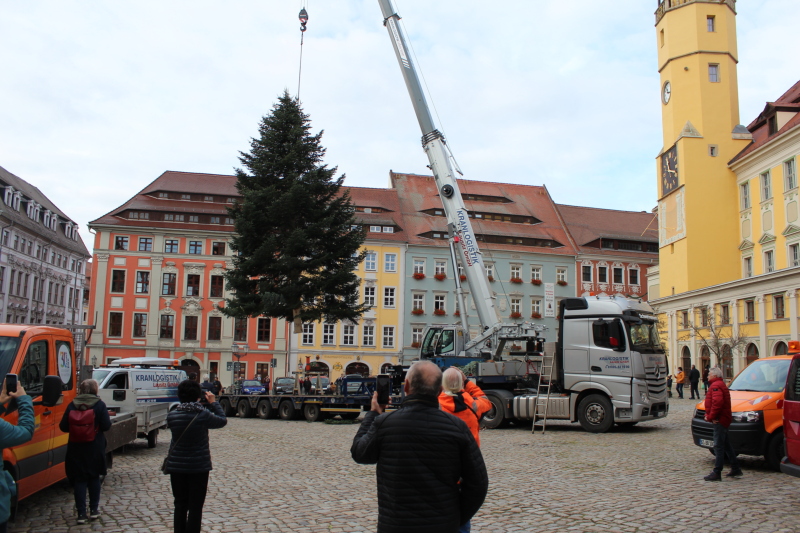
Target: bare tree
716,335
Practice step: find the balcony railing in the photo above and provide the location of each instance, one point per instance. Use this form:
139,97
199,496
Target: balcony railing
667,5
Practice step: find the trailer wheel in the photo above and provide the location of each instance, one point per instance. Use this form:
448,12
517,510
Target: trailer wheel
286,410
775,451
227,408
596,414
243,409
152,438
312,412
494,417
349,416
264,409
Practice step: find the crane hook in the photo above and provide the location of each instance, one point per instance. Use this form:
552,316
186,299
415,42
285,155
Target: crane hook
303,16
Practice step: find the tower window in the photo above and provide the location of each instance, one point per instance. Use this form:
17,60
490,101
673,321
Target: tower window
766,186
744,193
710,23
713,150
662,37
713,73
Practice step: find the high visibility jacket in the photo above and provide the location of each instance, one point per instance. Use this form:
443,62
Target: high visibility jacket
468,405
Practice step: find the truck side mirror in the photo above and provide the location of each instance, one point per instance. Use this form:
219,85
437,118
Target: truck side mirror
51,390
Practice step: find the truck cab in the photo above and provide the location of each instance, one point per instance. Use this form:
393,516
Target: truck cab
40,356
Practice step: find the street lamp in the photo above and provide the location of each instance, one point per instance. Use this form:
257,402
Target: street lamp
238,351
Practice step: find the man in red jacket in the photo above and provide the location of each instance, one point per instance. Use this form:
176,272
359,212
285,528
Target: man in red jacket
718,411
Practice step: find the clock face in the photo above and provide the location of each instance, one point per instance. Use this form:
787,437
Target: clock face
666,92
669,171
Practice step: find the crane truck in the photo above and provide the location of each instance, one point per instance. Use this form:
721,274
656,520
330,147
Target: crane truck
608,365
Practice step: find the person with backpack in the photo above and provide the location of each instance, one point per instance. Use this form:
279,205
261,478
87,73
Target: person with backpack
85,419
188,461
11,435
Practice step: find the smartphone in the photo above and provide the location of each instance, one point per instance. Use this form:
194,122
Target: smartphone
384,388
11,383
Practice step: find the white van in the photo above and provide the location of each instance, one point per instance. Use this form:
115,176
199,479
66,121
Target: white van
147,386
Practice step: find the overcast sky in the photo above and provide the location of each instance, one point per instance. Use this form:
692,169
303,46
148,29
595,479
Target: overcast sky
98,98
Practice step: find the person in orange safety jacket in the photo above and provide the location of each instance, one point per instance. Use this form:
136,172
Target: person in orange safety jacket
462,398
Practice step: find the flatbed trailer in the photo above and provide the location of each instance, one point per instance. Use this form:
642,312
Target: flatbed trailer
355,396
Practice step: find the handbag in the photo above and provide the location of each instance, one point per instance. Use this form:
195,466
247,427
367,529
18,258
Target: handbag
166,459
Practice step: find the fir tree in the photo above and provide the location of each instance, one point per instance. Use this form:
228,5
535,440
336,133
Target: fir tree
295,237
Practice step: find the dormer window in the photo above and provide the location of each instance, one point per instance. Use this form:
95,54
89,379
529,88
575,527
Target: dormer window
8,196
54,222
46,220
16,200
772,124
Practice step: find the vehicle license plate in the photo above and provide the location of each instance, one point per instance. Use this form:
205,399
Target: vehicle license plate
705,442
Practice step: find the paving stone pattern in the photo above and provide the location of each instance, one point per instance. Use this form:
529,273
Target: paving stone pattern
273,475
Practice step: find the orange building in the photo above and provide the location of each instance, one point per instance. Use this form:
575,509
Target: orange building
157,283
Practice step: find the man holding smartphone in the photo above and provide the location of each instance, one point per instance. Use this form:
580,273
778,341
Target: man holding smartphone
11,435
431,474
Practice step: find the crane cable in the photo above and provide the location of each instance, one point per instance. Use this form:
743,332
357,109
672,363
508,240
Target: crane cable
303,16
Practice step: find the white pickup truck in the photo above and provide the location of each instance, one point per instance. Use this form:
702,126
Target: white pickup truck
147,386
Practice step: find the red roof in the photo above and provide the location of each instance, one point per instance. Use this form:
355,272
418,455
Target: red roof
759,128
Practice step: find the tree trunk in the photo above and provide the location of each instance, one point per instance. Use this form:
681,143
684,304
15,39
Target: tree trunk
298,323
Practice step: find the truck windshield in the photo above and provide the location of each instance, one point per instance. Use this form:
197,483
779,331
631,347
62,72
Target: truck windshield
644,337
100,375
8,350
438,341
763,375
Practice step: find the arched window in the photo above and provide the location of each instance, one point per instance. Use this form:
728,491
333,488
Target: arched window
781,348
386,367
705,357
357,368
752,353
319,366
727,362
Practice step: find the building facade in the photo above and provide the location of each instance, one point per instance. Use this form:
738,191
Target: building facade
42,258
158,285
726,282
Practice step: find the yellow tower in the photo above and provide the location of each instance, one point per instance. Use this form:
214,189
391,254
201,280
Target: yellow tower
698,196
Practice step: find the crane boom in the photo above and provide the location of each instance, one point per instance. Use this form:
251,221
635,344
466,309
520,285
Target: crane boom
433,142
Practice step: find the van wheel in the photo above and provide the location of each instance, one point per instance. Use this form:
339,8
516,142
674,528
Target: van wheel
311,412
495,417
227,408
596,414
244,410
152,438
264,409
287,411
775,451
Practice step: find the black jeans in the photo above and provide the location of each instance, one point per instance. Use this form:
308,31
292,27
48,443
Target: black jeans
79,488
695,391
189,491
722,448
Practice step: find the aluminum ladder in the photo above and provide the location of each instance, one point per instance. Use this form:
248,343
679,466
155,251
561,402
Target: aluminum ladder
543,393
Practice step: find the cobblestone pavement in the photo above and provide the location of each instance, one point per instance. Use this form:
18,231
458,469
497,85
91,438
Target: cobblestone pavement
273,475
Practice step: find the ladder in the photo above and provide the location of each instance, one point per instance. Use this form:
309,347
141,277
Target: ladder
543,393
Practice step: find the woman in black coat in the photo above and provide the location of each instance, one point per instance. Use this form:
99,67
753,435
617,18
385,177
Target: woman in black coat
86,461
189,459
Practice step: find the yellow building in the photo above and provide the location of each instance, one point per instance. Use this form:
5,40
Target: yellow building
729,236
367,346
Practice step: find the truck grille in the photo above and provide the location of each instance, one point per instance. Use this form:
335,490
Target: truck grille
656,385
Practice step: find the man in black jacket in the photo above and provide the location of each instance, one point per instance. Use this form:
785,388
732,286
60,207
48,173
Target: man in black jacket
431,475
694,381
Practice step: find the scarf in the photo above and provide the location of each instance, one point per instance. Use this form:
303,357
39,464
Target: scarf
191,407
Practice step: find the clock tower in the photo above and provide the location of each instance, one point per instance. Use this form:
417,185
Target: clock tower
698,204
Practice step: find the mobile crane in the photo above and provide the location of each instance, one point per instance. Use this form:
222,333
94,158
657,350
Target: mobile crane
608,365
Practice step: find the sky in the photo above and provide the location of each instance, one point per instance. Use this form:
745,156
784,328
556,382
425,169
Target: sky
98,98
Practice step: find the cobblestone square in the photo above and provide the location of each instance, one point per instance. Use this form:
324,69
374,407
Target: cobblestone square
273,475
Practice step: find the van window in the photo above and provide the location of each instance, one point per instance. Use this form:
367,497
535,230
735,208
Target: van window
34,368
608,334
8,350
793,383
763,375
99,375
120,381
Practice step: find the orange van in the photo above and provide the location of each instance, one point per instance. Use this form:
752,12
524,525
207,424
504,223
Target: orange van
757,397
43,359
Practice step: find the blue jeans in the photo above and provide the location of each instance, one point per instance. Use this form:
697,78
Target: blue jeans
465,528
79,488
722,448
679,388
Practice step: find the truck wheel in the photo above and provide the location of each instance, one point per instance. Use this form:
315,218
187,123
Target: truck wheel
264,409
152,438
286,410
243,409
495,417
227,408
349,416
312,412
775,451
596,414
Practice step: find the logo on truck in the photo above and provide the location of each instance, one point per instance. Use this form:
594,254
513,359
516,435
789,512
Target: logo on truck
64,363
